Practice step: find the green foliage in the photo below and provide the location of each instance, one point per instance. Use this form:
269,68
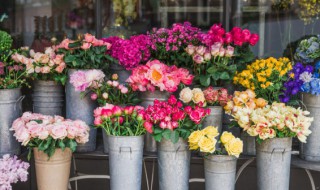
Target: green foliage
5,41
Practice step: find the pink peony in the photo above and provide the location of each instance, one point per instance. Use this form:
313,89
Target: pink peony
59,131
79,81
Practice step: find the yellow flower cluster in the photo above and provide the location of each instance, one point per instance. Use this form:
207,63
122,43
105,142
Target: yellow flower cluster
263,73
205,141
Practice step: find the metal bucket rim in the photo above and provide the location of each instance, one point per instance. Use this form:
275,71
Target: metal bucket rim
226,158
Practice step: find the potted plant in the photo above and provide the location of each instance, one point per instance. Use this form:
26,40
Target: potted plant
170,123
125,131
83,54
156,80
273,126
12,78
12,170
220,169
48,72
52,141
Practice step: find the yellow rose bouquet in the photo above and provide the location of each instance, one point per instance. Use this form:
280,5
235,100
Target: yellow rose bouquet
265,77
205,141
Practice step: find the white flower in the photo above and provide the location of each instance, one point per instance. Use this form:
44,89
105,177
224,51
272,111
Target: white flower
186,95
305,77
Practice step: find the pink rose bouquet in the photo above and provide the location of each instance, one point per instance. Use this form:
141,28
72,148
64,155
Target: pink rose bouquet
86,53
48,133
207,97
12,170
156,74
110,91
43,66
171,120
120,121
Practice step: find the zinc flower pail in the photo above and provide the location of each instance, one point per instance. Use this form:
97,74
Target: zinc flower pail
273,164
249,144
48,98
310,151
147,98
125,162
173,165
122,73
220,172
53,173
78,107
10,109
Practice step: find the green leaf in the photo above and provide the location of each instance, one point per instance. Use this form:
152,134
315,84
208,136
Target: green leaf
174,136
205,80
225,76
157,130
62,145
157,137
167,134
211,70
72,145
75,44
69,58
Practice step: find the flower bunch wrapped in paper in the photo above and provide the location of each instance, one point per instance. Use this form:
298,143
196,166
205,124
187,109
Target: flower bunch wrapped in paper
265,77
205,141
12,170
209,96
171,120
120,121
110,91
43,66
48,133
157,75
86,53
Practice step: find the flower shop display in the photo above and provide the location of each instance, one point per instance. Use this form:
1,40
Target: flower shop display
171,123
155,80
220,169
12,170
52,141
124,128
48,72
265,77
273,126
12,78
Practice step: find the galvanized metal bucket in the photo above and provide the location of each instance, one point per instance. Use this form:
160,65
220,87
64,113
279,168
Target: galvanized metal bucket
273,164
173,165
81,108
310,151
147,98
125,162
10,109
105,142
123,74
48,98
249,144
220,172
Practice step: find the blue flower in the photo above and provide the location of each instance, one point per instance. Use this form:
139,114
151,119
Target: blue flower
315,86
305,87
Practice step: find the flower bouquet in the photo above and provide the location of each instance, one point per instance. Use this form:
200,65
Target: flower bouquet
308,50
12,170
218,166
156,74
265,77
171,120
86,53
43,66
104,92
123,135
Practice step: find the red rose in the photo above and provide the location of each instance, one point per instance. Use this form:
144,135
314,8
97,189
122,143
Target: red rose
254,38
148,126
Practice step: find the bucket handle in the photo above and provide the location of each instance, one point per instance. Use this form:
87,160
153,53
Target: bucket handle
19,101
125,148
278,150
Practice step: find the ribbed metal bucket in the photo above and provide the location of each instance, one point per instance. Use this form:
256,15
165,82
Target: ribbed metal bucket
310,151
173,165
220,172
123,74
125,162
53,173
273,164
147,98
105,142
48,97
10,109
81,108
249,144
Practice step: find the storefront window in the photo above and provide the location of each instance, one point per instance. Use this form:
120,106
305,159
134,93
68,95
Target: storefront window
278,22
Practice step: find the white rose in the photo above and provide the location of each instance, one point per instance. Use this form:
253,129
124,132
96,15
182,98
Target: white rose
186,95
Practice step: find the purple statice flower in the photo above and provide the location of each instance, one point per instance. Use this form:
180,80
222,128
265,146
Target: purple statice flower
130,52
295,82
12,170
